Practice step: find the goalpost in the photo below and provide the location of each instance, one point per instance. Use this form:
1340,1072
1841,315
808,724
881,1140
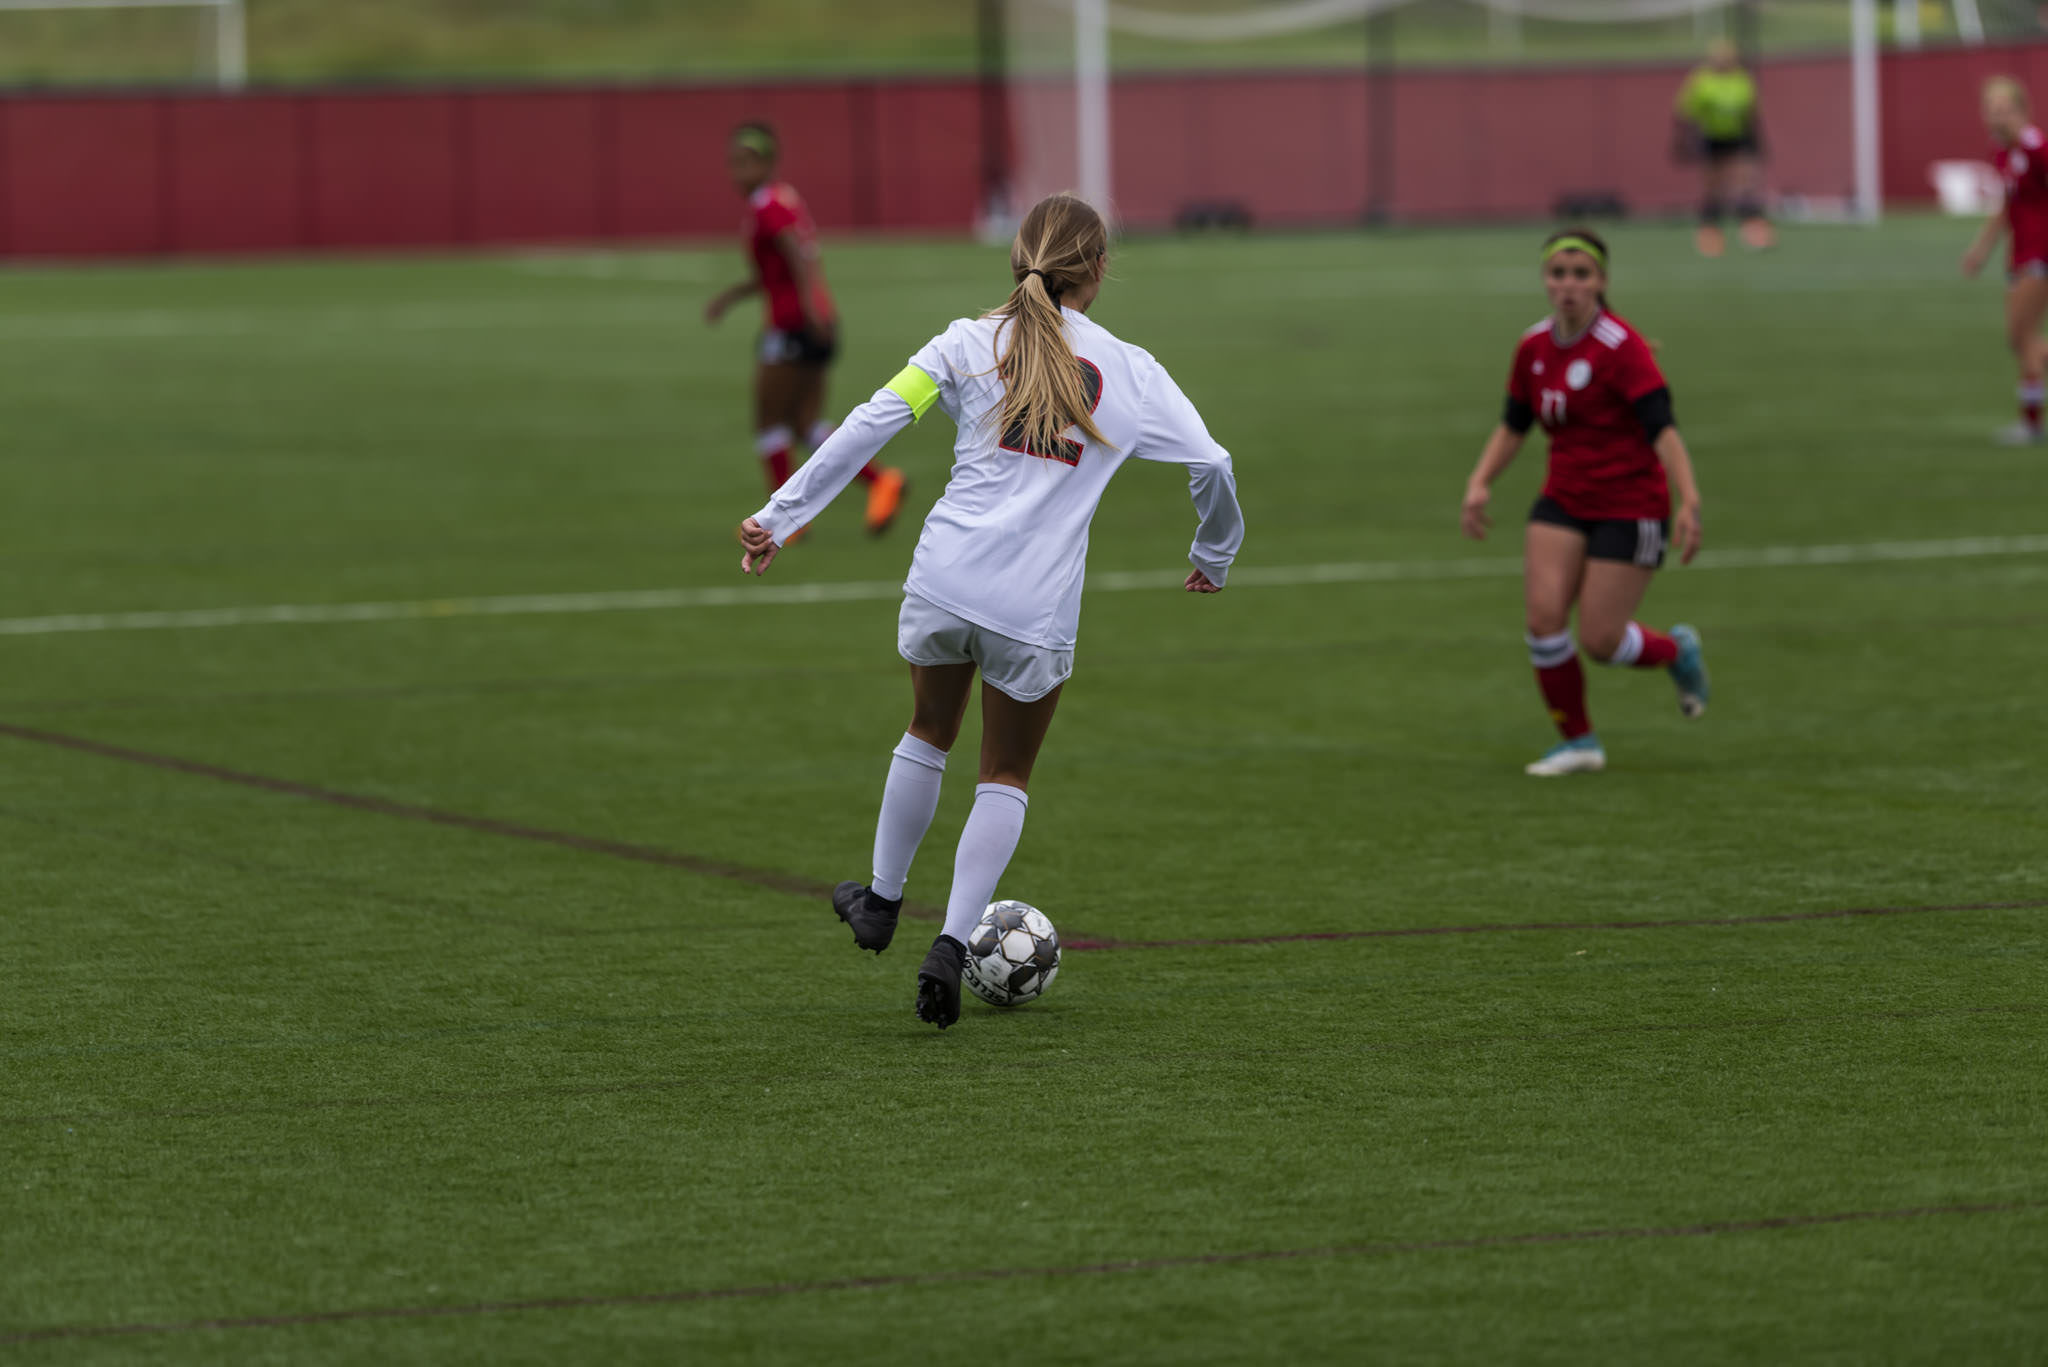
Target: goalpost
230,28
1066,92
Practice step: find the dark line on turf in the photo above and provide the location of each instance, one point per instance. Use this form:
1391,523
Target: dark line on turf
1509,928
804,887
410,811
773,1290
578,1089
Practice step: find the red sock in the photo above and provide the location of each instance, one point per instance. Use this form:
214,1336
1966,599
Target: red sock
1657,651
868,473
776,463
2030,403
1564,689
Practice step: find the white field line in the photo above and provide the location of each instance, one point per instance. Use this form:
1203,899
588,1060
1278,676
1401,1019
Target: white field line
771,594
177,324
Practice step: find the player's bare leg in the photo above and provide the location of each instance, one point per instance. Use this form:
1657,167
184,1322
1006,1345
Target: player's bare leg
1757,233
2026,306
1608,598
1709,239
1610,633
807,403
1553,564
939,695
775,410
1012,733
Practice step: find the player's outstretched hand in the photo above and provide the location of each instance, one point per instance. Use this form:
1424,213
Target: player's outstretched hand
757,548
1472,517
1973,262
1686,527
1199,583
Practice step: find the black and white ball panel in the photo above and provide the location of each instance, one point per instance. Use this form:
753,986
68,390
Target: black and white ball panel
1013,954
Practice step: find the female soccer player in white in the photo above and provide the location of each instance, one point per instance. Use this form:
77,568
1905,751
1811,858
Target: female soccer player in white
1048,405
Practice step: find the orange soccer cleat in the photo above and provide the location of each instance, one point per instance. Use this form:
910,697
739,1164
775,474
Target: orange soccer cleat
1710,240
885,500
1757,234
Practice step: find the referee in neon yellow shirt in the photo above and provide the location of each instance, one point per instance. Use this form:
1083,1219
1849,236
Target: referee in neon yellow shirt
1718,116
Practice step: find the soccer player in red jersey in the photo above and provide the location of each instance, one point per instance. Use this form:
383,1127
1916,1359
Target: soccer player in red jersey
1599,529
803,328
2022,158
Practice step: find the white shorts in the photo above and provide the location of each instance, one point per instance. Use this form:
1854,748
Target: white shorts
927,634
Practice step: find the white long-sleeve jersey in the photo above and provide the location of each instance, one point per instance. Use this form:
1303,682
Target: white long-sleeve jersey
1006,545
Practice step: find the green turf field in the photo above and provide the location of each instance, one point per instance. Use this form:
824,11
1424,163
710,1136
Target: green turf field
381,40
505,1024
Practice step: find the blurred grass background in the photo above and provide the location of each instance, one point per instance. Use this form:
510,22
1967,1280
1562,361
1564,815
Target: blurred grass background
307,41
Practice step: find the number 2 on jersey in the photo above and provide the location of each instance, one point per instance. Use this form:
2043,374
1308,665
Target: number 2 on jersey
1070,451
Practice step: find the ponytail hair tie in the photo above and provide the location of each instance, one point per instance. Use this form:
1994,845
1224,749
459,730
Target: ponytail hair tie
1045,280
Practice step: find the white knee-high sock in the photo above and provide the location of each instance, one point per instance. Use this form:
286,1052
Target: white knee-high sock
908,800
986,844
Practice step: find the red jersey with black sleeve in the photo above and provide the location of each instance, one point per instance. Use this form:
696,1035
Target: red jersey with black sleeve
1584,393
2024,168
772,210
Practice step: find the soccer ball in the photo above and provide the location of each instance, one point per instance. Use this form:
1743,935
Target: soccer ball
1013,954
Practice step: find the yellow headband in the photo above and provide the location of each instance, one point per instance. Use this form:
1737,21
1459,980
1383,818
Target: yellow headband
755,141
1576,244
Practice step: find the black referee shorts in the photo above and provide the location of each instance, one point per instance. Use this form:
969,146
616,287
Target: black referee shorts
1727,149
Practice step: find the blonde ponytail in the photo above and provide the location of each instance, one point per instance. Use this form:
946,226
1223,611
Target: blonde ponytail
1056,250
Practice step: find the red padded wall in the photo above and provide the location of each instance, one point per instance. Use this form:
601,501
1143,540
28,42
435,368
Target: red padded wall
84,176
240,178
540,166
387,170
147,174
927,157
671,158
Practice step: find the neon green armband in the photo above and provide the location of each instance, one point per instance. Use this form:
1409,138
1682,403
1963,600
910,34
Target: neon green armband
915,388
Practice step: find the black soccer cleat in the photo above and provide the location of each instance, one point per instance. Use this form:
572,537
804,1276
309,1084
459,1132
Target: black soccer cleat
873,918
938,982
